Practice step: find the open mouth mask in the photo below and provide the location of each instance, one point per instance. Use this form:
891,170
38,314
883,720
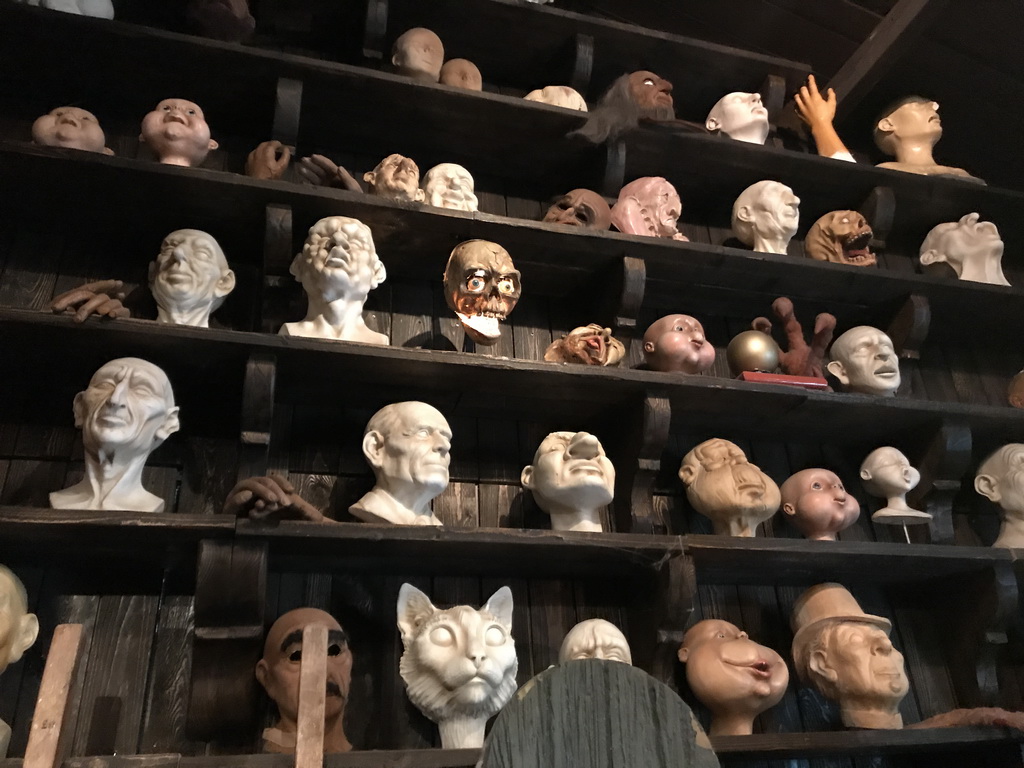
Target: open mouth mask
482,286
589,345
841,237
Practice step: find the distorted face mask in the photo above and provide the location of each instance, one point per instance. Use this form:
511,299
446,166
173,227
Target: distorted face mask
580,208
482,286
841,237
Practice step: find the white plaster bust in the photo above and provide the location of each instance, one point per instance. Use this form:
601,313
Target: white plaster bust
1000,479
449,185
18,631
972,248
100,9
886,472
396,177
72,127
740,116
863,360
558,96
125,414
189,278
571,479
408,445
418,53
177,132
338,267
595,639
765,216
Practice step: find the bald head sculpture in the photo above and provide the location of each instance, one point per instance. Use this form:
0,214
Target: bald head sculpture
595,639
677,343
1000,479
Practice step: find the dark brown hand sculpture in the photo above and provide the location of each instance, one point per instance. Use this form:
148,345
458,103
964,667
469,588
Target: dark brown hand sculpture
801,358
270,497
102,298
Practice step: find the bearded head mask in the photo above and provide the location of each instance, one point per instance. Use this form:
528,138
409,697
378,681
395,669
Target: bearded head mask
482,286
841,237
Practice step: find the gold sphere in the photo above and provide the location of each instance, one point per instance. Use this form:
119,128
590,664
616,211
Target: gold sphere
752,351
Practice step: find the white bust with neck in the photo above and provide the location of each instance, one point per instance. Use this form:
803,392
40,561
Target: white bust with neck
886,472
572,480
126,412
909,130
765,216
971,247
18,631
740,116
189,278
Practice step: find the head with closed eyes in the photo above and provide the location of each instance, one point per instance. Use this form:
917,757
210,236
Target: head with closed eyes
595,639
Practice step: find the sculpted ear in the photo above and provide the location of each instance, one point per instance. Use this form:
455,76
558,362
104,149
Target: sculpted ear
865,474
262,669
28,631
526,478
648,346
413,607
152,272
838,370
743,213
887,125
789,509
80,409
932,256
214,145
988,487
683,653
373,448
380,274
712,124
500,606
818,664
420,196
170,425
687,473
370,177
225,285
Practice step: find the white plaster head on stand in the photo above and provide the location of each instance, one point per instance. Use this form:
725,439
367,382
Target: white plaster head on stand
125,414
408,446
864,360
1000,479
765,216
278,673
595,639
418,53
18,631
972,248
571,479
648,206
177,133
396,177
734,677
886,472
459,664
558,96
72,127
847,656
724,486
190,278
338,267
740,116
449,185
909,130
817,504
100,9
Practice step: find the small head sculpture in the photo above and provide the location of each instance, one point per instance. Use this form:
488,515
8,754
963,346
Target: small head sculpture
733,676
765,216
571,479
189,278
863,360
588,345
278,673
396,177
449,185
177,132
461,73
1000,479
558,96
418,53
887,473
913,120
972,248
817,504
677,343
841,237
482,286
648,206
740,116
722,485
18,627
1015,391
580,208
595,639
753,351
70,127
847,656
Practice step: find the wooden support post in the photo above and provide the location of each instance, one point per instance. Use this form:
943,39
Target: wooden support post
942,464
676,596
277,257
638,460
583,63
375,29
257,414
287,108
908,330
773,95
47,737
309,744
614,168
879,208
623,297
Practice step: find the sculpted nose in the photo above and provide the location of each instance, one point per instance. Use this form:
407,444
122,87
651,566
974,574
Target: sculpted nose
179,254
743,635
475,653
117,397
443,445
583,446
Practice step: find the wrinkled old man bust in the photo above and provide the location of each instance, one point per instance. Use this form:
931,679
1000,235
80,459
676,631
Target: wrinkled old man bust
648,206
765,216
595,639
972,248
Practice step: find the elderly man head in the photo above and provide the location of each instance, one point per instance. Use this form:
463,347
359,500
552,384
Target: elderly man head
864,360
18,627
572,479
971,247
189,278
595,639
1000,479
449,185
765,216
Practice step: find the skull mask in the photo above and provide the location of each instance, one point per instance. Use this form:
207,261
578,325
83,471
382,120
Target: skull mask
482,285
841,237
580,208
588,344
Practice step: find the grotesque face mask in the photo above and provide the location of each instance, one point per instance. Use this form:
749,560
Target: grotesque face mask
189,278
462,73
481,284
70,127
589,345
449,185
864,360
652,94
396,177
580,208
841,237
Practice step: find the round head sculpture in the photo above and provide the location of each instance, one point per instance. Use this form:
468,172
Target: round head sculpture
587,345
676,343
177,133
71,127
648,206
817,504
841,237
449,185
408,446
847,656
18,627
887,473
723,486
571,479
733,676
482,286
740,116
580,208
418,53
863,360
558,96
595,639
765,216
972,248
461,73
189,278
1000,479
396,177
278,673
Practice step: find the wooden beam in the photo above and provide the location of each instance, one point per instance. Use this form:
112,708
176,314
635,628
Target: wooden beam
882,48
46,736
309,744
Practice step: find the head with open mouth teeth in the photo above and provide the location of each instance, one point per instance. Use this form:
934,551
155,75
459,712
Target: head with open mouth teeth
864,360
589,344
841,237
482,286
733,676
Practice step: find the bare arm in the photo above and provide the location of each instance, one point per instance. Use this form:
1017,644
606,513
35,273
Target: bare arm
818,113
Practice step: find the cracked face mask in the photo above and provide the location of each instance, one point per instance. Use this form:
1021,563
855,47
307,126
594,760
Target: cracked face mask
482,286
841,237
